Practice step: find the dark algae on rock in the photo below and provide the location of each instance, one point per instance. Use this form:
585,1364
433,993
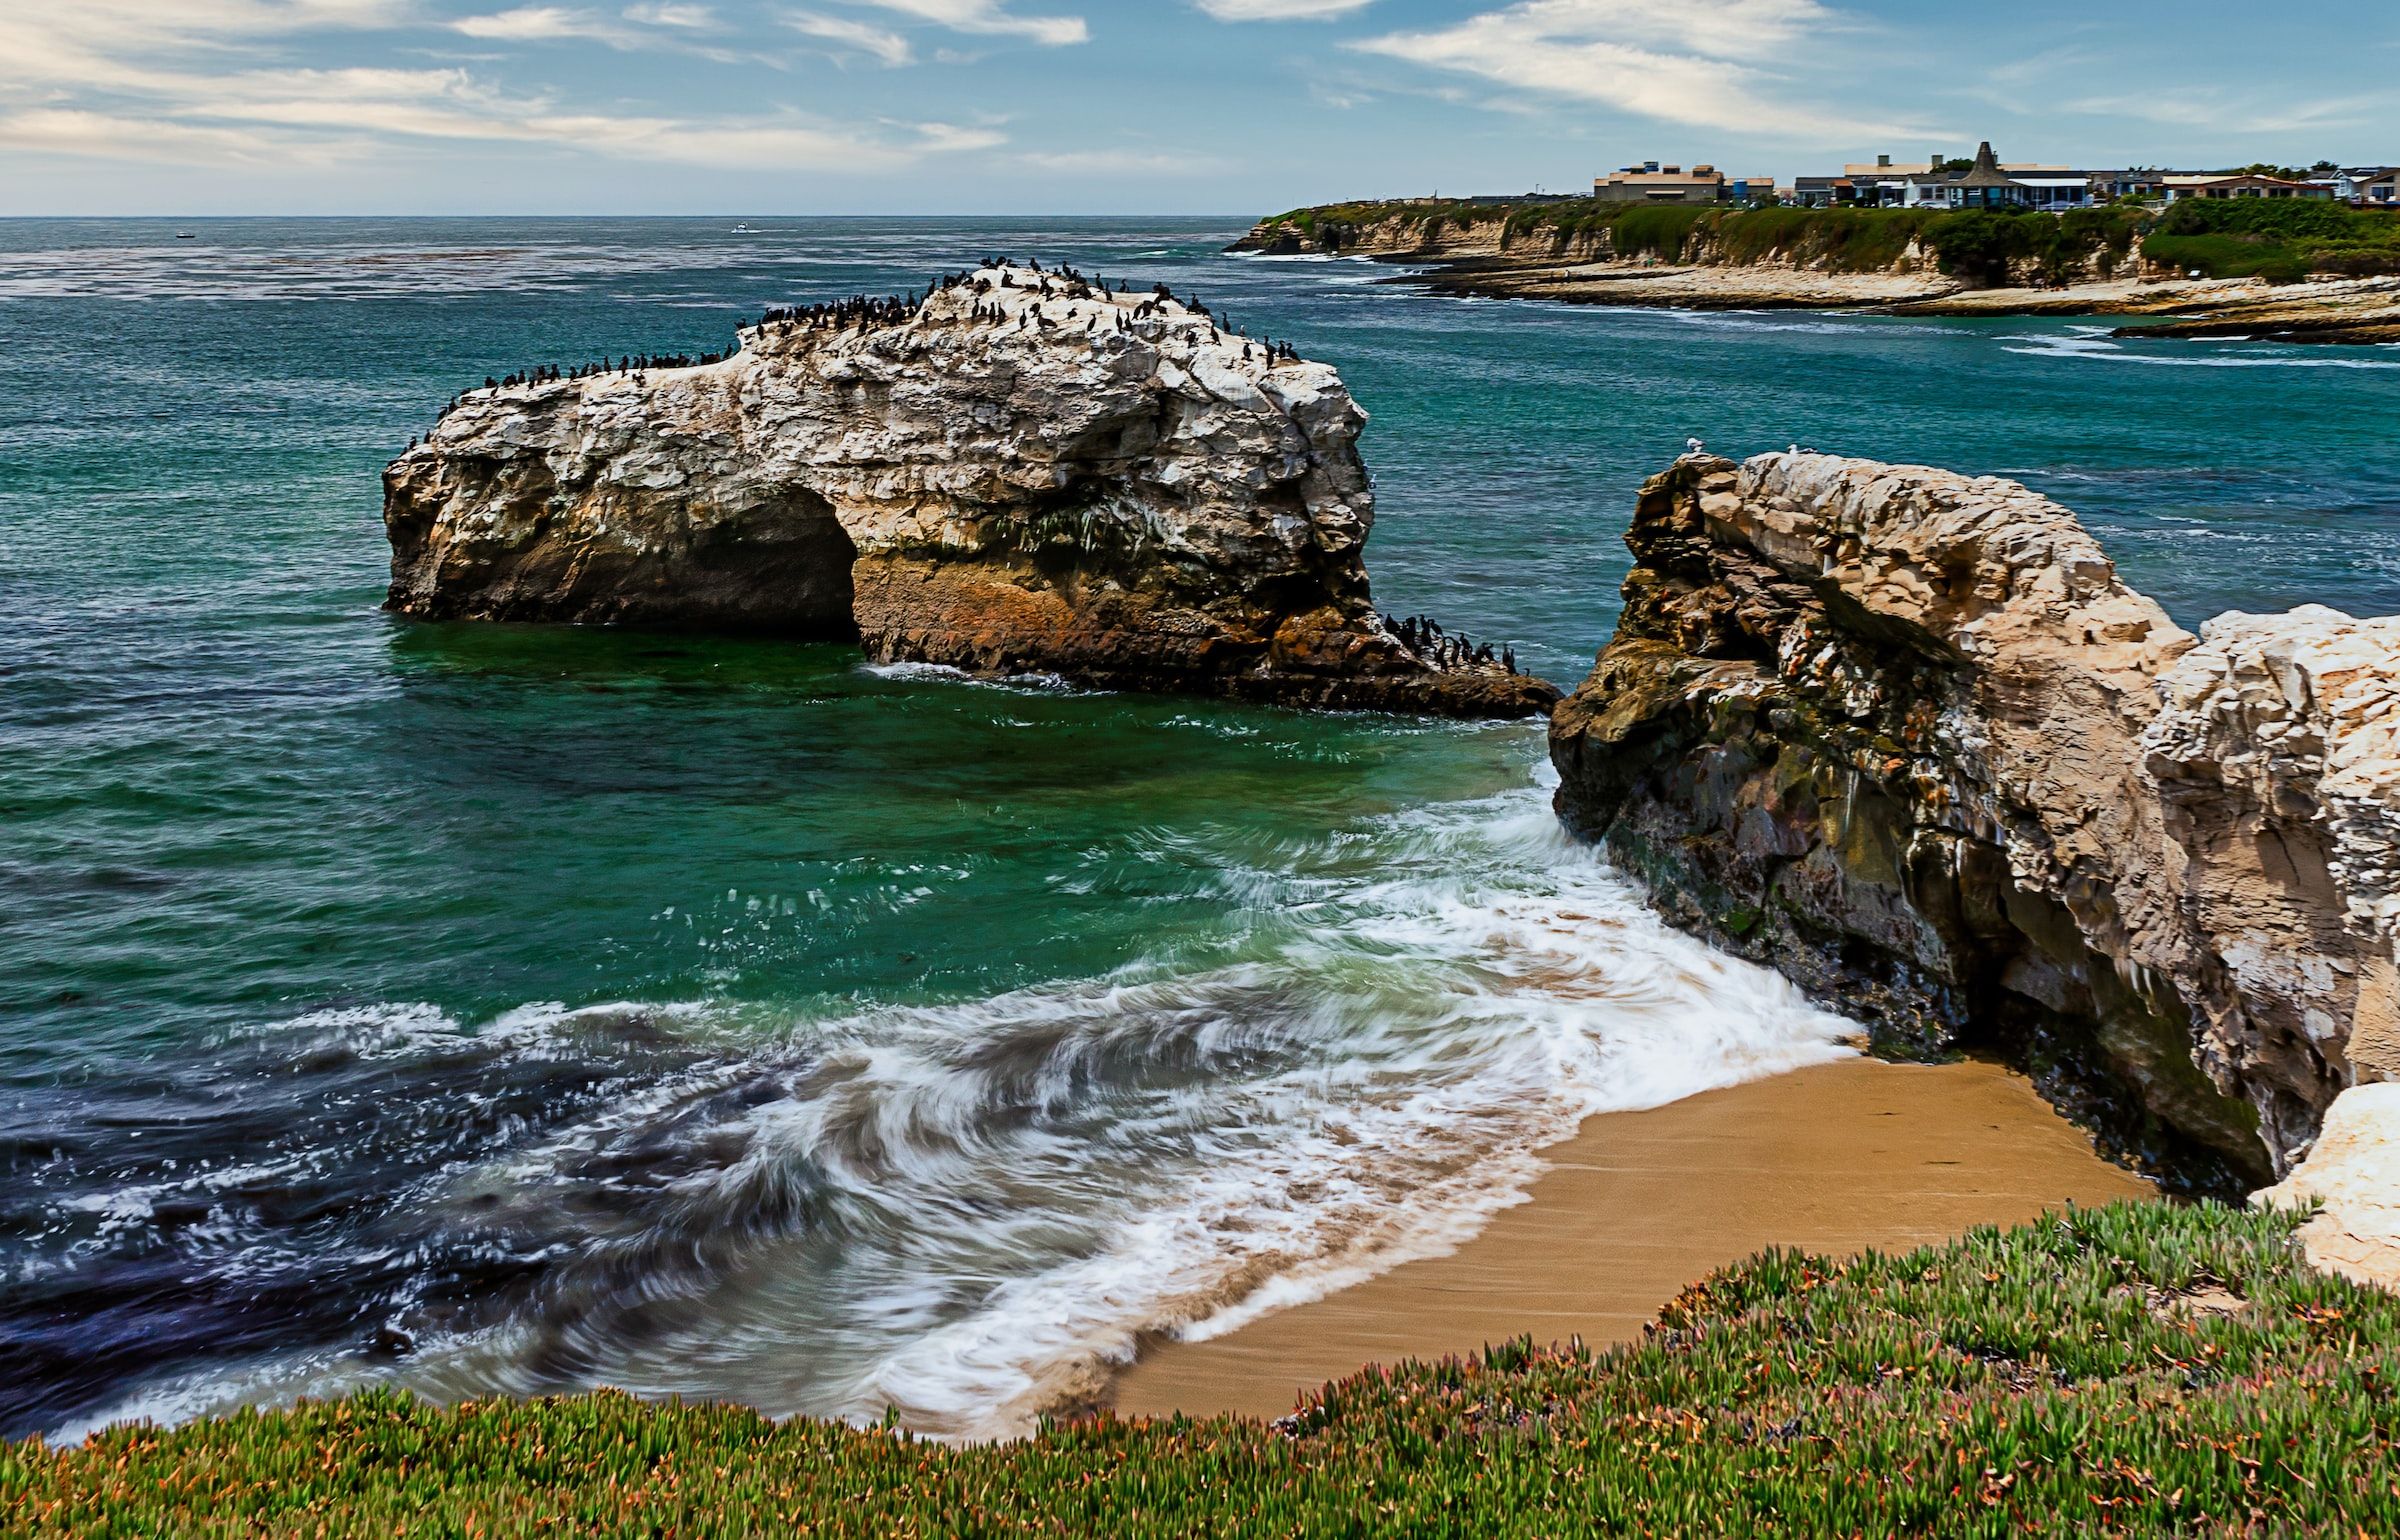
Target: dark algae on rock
1906,736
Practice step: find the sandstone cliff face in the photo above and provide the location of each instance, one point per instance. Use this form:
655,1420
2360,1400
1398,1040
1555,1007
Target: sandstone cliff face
1908,736
1479,238
1022,474
1468,233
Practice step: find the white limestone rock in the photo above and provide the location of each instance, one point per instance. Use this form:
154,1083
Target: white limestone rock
1023,473
2354,1171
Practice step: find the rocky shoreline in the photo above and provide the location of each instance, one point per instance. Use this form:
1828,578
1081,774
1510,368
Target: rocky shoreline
1016,472
1481,259
1902,734
2358,310
1906,736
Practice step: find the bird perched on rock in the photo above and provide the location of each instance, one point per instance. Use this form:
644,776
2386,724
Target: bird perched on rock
1691,446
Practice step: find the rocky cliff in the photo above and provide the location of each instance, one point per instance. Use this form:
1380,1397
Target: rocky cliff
1022,471
1909,261
1907,736
1427,232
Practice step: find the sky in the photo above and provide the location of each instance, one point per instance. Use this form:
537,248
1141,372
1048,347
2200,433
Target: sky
1125,106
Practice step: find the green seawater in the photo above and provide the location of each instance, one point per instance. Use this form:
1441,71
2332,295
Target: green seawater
526,1008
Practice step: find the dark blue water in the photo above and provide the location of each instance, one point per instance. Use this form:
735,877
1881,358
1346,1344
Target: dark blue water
527,1008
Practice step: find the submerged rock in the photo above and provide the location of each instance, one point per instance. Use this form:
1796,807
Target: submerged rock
1907,736
1023,473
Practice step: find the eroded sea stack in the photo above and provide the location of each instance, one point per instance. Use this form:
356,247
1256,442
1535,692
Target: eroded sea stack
1907,736
1021,472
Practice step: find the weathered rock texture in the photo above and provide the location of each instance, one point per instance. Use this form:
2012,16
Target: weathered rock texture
1907,736
2354,1172
1116,491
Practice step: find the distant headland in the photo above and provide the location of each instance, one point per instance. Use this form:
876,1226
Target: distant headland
2258,252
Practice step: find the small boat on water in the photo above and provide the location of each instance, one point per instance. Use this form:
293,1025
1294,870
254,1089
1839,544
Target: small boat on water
185,235
743,230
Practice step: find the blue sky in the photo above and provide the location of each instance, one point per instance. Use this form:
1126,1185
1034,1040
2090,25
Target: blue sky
1132,106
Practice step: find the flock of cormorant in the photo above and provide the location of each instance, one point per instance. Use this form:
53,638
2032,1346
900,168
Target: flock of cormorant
633,364
1425,637
860,312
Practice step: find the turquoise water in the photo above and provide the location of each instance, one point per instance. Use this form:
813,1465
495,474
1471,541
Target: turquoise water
529,1008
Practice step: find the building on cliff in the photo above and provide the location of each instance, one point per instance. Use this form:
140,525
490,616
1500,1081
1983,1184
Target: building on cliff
1651,182
2375,186
1986,184
1937,182
2241,185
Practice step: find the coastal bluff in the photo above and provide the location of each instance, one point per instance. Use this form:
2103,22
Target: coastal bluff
1018,472
2171,276
1907,736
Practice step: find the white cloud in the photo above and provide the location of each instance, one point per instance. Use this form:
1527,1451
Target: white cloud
691,17
202,82
862,37
990,18
755,144
63,131
556,23
1124,162
543,24
94,44
1679,61
950,138
1281,10
2216,112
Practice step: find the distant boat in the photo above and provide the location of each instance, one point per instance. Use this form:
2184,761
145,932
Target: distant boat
185,235
743,230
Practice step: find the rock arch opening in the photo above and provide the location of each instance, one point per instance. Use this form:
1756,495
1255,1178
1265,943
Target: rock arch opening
780,568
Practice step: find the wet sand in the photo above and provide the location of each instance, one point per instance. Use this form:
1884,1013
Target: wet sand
1833,1159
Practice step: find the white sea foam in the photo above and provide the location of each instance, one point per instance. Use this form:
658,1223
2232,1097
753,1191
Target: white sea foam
2254,355
999,1198
944,673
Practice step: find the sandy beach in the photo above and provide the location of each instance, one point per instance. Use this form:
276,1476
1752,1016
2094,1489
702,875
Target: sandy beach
1835,1159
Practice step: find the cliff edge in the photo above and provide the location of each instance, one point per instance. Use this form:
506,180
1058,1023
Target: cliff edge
2196,271
1907,736
1019,471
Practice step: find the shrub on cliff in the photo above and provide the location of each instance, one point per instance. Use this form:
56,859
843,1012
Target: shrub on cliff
2280,219
1980,247
1839,240
2282,240
2140,1369
1994,248
1661,230
2229,256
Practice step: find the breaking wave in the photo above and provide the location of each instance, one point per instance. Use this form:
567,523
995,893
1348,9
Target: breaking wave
967,1211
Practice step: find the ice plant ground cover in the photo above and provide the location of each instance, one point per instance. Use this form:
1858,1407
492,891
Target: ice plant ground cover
2142,1368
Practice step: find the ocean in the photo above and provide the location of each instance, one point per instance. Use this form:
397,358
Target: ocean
526,1009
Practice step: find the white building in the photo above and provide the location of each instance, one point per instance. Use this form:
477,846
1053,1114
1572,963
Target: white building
2242,185
1987,185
